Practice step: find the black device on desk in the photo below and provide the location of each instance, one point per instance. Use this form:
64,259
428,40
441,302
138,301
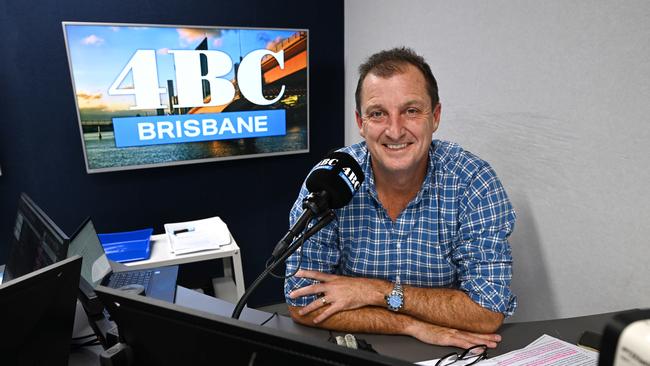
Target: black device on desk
37,315
626,339
159,283
35,241
160,333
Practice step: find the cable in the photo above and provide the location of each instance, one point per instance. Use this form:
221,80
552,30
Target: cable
92,342
271,317
83,337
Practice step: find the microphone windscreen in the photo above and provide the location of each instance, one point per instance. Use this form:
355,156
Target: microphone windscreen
339,175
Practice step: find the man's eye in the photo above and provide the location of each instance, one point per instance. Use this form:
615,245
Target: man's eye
412,112
376,116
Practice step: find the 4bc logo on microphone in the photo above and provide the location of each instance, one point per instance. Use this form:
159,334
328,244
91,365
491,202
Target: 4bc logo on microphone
342,165
351,178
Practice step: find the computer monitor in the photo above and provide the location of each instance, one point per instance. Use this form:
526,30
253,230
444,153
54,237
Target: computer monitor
35,242
37,315
95,267
160,333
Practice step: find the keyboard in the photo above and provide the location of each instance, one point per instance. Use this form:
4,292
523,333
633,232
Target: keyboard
120,279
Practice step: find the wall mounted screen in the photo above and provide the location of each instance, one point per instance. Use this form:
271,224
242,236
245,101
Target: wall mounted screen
155,95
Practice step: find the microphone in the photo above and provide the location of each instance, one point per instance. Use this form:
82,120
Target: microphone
339,175
331,184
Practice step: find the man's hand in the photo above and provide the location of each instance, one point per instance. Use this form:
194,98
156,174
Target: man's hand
443,336
339,293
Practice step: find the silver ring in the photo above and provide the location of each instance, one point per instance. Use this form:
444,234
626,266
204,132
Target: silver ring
323,300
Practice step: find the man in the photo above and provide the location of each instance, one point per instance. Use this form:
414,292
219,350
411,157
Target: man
422,248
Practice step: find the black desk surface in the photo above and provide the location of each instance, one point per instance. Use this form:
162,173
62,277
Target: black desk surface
514,335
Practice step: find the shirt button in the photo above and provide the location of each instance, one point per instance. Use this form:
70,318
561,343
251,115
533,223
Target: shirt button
398,245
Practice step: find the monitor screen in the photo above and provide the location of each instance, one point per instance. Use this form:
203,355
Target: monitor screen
161,333
37,313
155,95
35,242
85,243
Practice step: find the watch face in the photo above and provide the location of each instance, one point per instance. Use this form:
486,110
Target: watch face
394,301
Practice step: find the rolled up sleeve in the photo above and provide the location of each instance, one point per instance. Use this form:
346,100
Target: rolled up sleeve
483,253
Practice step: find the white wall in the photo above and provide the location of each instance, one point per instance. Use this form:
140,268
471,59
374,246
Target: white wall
556,96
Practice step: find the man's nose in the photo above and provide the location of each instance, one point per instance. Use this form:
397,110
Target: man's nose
394,126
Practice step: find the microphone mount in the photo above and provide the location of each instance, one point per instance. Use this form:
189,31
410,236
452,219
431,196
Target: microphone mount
325,219
317,202
314,205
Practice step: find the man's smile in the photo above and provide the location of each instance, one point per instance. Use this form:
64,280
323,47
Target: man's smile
396,146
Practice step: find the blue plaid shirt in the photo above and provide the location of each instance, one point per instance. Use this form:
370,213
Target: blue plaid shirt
453,234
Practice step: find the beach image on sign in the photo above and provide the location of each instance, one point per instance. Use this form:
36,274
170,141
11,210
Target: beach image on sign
155,95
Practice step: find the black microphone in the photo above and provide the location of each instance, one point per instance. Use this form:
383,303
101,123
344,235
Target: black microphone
331,184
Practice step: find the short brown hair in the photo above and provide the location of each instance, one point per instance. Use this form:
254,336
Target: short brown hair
388,62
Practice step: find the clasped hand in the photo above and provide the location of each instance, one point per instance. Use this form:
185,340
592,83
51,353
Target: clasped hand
339,293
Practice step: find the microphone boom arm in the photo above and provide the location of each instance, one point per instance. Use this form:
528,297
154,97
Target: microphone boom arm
327,217
313,204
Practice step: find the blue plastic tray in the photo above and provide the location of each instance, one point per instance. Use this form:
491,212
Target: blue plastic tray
127,246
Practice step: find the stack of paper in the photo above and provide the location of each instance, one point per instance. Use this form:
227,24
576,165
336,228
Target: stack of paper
544,351
548,351
193,236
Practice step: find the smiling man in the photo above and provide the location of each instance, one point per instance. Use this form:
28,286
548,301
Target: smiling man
421,250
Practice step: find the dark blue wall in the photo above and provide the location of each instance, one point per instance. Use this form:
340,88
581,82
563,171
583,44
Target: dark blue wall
40,147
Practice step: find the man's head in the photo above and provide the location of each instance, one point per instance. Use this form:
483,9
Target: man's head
397,112
389,62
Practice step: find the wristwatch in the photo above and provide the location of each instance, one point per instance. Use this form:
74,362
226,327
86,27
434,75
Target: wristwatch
395,299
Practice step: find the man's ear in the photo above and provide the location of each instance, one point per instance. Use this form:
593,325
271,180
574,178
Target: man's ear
436,116
357,117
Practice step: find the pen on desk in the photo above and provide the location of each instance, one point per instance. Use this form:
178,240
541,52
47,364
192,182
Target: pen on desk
179,231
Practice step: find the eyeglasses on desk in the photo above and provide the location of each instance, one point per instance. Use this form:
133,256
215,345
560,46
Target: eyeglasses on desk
470,356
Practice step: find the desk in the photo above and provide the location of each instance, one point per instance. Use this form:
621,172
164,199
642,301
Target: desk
515,335
226,287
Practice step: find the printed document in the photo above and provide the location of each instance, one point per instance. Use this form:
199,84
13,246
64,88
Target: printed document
544,351
193,236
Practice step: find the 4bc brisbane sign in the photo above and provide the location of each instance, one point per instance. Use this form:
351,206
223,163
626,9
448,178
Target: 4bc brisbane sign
151,95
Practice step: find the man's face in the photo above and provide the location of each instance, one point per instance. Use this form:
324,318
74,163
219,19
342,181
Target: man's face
397,121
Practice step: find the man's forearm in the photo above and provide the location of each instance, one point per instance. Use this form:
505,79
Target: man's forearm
371,319
368,319
442,306
450,308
